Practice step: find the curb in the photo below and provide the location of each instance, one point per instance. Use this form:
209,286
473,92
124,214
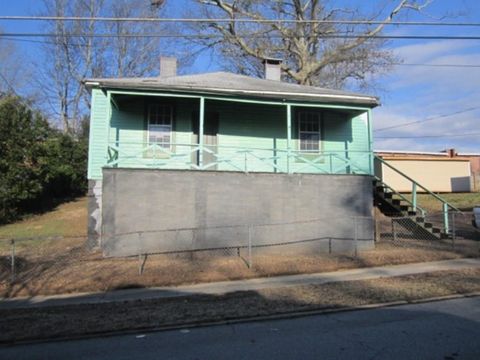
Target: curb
240,320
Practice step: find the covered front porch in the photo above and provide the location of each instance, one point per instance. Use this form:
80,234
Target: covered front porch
164,130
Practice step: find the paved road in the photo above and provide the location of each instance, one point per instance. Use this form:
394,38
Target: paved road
446,330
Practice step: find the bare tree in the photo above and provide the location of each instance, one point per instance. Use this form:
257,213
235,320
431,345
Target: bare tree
313,53
75,53
14,73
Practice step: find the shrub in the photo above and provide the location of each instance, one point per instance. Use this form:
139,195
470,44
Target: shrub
38,164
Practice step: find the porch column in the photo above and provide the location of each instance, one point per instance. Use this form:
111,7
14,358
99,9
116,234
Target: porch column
200,132
370,142
289,135
109,123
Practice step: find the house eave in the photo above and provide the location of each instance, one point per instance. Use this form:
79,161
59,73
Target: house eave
367,101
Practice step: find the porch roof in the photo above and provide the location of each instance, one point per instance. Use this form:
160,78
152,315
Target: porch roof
224,83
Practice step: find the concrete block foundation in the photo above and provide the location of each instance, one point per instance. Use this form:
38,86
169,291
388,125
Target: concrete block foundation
154,211
94,213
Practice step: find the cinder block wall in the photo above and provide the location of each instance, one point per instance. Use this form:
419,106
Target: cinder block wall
94,213
138,205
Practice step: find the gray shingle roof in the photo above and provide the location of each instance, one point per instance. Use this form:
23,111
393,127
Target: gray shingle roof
224,83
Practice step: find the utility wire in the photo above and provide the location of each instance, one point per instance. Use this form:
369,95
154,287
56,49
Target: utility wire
428,119
214,36
225,20
427,136
440,65
103,45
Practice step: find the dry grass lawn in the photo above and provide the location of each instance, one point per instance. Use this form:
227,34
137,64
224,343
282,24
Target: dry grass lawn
65,266
62,321
463,201
67,219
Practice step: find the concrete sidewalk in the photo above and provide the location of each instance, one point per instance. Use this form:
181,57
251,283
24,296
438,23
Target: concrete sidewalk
238,285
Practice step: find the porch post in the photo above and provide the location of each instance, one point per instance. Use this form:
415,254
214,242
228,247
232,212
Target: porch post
200,132
371,157
289,135
109,123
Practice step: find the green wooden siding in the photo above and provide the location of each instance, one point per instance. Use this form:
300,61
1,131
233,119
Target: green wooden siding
250,126
129,131
241,125
97,150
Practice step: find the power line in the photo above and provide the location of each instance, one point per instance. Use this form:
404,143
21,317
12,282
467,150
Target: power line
427,136
396,64
429,119
226,20
30,41
214,36
440,65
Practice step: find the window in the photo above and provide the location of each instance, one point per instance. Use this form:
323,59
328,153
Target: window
309,131
160,120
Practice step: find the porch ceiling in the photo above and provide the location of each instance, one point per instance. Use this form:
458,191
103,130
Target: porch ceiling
121,101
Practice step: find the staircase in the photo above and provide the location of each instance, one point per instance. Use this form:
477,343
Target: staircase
395,205
411,216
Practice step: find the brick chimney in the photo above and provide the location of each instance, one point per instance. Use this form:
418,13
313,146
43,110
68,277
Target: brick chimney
273,69
451,153
168,66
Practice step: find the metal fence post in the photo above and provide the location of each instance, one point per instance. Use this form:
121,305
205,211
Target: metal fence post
453,230
12,242
394,232
140,265
250,247
194,240
355,234
414,196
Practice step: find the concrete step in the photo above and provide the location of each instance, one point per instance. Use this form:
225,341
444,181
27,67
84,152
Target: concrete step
387,195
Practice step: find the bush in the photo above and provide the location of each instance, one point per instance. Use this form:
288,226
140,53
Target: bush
38,164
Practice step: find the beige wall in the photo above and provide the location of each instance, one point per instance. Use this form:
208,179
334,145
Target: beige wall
435,175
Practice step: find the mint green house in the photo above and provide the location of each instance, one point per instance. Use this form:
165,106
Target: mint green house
223,122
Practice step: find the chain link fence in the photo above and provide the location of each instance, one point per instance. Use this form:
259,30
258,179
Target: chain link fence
429,232
51,265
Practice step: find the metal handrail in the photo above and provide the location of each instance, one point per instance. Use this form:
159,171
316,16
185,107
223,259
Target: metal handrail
414,206
445,204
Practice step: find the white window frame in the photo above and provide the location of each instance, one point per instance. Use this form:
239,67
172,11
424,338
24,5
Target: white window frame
319,118
150,126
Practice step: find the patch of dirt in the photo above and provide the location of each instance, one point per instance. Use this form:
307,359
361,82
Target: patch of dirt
37,323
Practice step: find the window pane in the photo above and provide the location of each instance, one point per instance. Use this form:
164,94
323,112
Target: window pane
310,136
309,130
160,124
159,134
160,115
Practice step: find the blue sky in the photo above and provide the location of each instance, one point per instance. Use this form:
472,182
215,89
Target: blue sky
408,93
